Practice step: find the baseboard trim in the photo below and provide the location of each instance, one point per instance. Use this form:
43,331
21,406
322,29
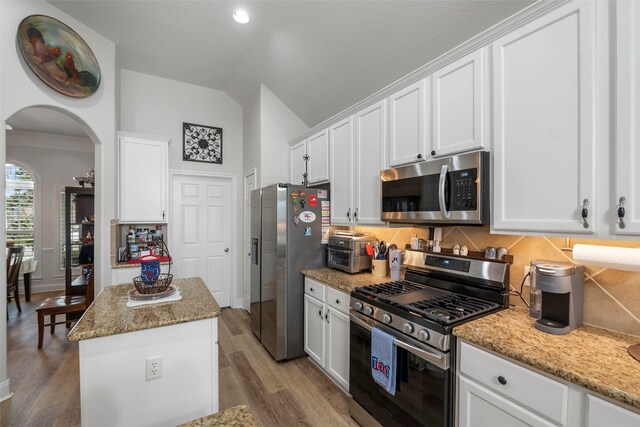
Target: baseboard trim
47,288
5,390
239,303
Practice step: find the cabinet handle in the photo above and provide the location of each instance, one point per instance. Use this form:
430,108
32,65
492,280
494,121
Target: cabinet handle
337,301
311,289
419,156
433,152
162,214
326,317
355,215
502,380
585,213
349,214
621,212
320,313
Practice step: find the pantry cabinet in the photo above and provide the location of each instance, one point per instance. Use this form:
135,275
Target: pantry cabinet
459,105
627,156
358,148
409,130
298,162
543,124
143,175
326,330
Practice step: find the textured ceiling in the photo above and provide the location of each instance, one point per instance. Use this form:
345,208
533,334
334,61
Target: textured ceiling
318,57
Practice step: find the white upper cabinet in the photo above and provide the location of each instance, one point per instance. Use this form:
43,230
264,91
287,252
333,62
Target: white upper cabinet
318,160
409,132
543,124
358,147
143,175
297,155
627,160
459,99
341,137
370,153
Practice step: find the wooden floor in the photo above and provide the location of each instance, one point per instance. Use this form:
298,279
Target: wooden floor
47,390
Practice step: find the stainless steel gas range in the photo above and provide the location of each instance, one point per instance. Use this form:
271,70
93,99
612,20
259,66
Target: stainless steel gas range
439,292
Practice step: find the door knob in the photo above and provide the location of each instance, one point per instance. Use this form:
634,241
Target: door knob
226,249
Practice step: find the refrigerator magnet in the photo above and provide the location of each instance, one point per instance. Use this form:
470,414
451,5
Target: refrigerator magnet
313,200
296,220
307,216
307,231
294,209
302,202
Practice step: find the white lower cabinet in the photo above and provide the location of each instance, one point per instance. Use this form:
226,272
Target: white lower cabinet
601,413
326,330
124,275
494,391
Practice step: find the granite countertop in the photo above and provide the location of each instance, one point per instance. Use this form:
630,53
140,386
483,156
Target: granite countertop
343,281
590,357
239,415
109,315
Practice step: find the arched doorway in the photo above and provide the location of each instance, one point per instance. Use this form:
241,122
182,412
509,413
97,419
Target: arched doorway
59,146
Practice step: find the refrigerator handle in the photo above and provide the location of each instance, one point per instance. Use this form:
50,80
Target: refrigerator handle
254,251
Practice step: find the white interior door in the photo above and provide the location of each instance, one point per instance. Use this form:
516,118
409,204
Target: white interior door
202,226
249,186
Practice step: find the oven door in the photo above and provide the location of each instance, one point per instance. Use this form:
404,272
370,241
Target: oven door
424,381
340,258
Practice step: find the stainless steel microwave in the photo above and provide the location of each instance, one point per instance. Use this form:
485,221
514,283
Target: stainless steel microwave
451,190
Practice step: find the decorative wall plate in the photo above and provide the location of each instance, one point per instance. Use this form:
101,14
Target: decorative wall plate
201,143
58,56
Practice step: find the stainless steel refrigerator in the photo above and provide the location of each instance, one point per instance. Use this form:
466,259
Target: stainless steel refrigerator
289,228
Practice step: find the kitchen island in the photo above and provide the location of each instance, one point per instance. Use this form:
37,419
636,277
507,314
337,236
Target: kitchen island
119,346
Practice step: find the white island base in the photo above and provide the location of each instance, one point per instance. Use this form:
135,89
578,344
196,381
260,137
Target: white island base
114,390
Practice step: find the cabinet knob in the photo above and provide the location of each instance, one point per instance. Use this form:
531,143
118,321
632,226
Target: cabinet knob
337,301
419,156
621,212
355,215
433,152
226,249
585,213
311,289
320,313
349,214
326,317
502,380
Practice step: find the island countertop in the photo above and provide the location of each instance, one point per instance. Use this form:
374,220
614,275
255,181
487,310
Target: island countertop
109,314
590,357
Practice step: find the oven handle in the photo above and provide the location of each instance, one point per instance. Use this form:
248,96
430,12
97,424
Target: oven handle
443,180
439,360
342,251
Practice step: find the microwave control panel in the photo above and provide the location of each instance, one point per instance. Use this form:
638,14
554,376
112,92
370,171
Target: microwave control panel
464,194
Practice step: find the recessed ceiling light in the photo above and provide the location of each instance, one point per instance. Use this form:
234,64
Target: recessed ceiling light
7,126
241,16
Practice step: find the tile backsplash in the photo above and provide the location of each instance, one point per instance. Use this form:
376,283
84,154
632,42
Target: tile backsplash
611,298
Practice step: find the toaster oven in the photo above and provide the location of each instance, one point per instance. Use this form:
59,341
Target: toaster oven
347,251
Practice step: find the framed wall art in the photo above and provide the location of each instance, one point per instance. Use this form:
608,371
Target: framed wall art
201,143
58,56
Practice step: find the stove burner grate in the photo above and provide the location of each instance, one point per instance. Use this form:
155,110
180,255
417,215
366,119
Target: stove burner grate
390,289
449,308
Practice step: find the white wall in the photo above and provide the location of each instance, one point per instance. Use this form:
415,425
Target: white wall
159,106
251,143
278,126
55,160
22,89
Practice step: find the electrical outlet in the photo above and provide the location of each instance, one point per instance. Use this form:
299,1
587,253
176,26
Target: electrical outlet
527,282
154,368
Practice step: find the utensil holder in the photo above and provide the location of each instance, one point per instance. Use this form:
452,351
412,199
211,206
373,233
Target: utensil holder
379,267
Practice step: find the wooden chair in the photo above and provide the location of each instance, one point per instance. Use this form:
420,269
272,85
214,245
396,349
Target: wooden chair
63,305
14,262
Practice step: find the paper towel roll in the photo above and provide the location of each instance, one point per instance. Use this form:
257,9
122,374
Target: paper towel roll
627,259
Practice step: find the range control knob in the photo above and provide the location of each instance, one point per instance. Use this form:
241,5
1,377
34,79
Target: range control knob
368,311
407,328
386,318
423,335
358,306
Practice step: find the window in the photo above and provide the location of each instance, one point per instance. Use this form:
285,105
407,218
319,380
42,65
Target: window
20,212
